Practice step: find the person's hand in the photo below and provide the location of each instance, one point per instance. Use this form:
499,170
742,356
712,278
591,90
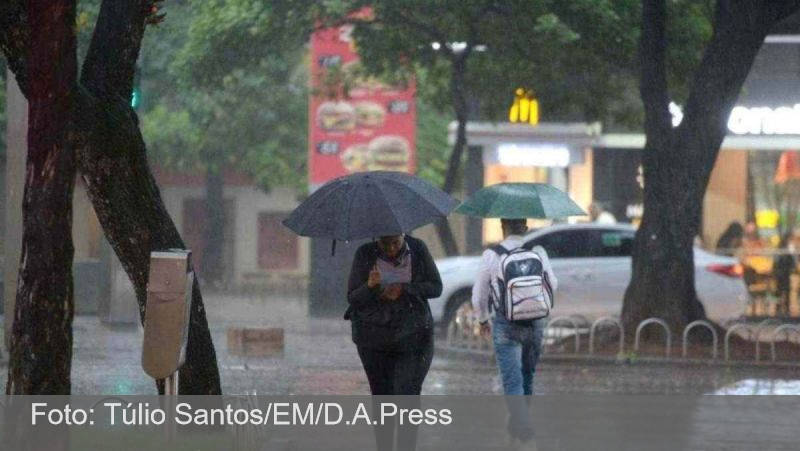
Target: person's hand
374,277
486,330
392,292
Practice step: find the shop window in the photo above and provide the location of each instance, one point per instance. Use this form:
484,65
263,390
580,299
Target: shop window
278,247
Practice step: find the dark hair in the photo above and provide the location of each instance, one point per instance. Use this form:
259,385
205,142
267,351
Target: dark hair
515,226
734,232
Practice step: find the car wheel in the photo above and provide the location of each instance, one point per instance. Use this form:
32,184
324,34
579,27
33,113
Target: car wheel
459,307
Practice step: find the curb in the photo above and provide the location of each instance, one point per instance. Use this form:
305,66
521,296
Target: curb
488,356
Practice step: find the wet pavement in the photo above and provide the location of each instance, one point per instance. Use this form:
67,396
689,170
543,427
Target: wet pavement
319,358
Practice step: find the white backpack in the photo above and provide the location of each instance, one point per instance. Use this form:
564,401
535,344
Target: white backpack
522,291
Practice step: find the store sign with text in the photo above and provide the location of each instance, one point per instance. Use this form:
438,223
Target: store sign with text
758,120
369,128
783,120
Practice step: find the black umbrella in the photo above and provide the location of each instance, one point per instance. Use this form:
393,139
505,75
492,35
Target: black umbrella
369,205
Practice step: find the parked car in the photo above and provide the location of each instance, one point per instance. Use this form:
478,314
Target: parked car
593,265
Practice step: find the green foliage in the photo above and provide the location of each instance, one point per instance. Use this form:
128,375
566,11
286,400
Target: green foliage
223,100
224,81
578,56
241,34
432,147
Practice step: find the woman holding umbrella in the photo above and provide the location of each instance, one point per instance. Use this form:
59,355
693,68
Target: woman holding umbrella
390,281
388,290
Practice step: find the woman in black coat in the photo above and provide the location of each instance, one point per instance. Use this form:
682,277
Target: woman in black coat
388,291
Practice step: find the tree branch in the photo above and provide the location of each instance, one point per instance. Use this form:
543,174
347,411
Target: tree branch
432,32
652,56
784,9
116,41
14,39
739,32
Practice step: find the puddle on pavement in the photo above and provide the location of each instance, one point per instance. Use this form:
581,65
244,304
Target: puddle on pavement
761,387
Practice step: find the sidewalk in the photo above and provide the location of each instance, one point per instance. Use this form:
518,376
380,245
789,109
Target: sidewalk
319,358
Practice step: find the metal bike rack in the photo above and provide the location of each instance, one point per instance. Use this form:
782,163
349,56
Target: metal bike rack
572,322
581,320
785,328
759,329
750,330
661,323
611,320
700,323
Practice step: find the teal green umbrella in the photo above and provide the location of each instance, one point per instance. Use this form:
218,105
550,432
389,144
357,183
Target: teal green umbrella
520,200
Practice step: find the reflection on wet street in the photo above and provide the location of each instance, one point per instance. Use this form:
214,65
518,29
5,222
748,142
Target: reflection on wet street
761,387
320,358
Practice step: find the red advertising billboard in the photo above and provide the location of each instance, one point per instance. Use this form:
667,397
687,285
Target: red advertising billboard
371,128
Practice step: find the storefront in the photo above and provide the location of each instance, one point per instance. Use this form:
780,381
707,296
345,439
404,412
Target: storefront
558,154
605,169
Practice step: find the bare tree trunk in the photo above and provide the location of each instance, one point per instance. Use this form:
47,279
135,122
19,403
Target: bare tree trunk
41,355
112,160
111,157
458,72
41,339
677,162
213,252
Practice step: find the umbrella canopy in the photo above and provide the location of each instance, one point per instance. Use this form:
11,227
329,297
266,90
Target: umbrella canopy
369,205
519,201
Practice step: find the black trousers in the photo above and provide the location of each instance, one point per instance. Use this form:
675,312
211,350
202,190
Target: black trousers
398,369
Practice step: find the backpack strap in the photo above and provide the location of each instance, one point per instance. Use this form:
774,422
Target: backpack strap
499,249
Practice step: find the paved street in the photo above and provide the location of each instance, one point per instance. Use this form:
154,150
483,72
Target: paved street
319,358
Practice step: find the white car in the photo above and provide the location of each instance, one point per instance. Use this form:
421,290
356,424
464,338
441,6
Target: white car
593,266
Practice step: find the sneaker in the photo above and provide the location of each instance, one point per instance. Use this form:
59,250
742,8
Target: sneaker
511,439
529,445
512,442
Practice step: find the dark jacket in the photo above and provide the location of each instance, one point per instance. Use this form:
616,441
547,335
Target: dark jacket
378,323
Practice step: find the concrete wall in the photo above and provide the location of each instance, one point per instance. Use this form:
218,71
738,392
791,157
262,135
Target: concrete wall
248,202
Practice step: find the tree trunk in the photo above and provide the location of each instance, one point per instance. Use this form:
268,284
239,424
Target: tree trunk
40,360
461,109
111,157
41,340
112,160
213,266
677,163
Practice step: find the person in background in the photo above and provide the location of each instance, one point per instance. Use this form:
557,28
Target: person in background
731,239
785,265
599,215
517,344
756,265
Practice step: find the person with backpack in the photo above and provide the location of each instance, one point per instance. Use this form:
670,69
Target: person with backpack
517,283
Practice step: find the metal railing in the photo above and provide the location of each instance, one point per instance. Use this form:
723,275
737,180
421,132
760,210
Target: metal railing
463,334
607,319
564,319
707,325
659,322
784,328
